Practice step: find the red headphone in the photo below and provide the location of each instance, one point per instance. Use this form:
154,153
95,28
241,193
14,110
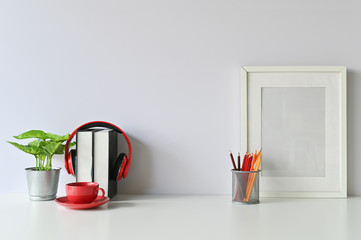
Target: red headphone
123,162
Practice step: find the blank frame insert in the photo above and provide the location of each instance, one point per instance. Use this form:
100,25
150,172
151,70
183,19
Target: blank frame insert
293,132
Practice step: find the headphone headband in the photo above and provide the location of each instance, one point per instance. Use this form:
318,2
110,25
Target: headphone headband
92,125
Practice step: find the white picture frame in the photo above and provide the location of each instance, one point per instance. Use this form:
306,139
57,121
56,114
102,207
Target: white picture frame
297,115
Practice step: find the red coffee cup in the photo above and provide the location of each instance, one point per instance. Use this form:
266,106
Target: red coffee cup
83,192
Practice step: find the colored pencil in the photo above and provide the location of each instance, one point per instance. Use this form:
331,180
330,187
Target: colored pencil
234,164
239,161
253,177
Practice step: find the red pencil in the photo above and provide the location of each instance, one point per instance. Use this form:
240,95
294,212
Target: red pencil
249,163
244,162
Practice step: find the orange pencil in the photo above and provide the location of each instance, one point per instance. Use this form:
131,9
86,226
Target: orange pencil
251,168
253,178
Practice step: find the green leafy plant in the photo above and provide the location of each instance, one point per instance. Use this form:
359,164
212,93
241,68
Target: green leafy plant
43,148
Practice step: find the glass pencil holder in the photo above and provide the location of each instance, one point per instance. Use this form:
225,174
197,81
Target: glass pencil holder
245,186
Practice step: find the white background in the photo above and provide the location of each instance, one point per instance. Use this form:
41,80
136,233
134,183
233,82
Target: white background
167,73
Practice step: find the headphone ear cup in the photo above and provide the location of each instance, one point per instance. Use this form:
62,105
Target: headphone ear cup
117,170
123,167
73,161
126,167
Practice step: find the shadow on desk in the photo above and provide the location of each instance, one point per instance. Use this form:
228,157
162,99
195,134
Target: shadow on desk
140,197
111,205
116,205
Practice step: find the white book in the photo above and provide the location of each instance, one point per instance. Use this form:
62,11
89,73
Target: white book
105,156
84,148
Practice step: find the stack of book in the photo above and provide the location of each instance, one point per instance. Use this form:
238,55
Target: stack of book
97,152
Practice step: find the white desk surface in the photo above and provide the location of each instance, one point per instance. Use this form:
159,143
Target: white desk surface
185,217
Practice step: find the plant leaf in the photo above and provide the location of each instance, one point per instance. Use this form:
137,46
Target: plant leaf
32,134
35,143
26,148
57,138
61,149
52,147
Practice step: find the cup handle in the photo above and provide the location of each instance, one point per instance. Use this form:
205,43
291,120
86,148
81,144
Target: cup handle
102,190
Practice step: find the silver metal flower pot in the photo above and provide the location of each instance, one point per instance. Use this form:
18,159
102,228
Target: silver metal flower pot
42,185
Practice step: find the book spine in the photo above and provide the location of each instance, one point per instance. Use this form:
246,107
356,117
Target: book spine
84,171
105,155
101,163
113,155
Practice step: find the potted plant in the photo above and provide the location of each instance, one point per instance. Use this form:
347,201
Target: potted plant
43,178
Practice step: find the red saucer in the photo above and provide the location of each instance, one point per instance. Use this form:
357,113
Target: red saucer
96,203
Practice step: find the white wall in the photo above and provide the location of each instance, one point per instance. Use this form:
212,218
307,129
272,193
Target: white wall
166,72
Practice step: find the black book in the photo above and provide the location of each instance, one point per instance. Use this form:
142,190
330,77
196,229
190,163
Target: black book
105,156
